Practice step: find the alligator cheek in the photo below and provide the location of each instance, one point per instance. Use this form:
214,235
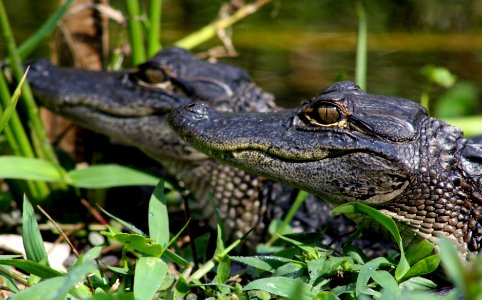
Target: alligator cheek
360,177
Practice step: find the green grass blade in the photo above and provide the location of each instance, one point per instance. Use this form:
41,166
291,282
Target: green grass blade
300,199
387,282
10,109
149,276
32,268
106,176
158,216
155,13
42,146
15,167
47,28
32,239
127,225
136,34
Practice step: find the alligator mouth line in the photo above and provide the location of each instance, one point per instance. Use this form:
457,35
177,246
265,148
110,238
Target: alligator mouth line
232,155
113,114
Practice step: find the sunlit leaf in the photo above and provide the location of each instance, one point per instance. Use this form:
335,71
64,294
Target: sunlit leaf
158,216
106,176
15,167
32,239
149,276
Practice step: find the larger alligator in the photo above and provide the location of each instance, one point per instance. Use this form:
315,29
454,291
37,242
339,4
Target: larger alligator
132,106
346,145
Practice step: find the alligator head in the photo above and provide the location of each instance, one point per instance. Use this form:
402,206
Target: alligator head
132,105
346,145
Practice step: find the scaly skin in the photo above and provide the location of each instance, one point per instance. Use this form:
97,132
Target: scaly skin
132,106
345,145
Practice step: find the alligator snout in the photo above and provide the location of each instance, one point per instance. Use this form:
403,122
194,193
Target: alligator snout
198,111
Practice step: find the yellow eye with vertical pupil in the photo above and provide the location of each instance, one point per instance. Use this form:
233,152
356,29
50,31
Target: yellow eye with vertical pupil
326,114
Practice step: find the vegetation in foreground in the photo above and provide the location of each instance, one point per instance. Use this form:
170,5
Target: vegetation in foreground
156,264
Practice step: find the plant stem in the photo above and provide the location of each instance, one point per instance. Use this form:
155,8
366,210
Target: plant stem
361,47
209,31
136,34
300,198
155,15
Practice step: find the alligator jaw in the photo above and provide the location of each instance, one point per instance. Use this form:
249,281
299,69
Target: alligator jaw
338,166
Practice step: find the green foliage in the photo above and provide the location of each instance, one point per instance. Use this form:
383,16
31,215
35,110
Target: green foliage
153,266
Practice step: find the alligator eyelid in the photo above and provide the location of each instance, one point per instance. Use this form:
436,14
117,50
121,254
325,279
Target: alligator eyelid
219,83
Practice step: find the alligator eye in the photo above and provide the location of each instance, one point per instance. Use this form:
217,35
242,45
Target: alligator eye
152,75
322,114
327,114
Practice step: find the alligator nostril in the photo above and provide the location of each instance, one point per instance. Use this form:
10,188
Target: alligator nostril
198,110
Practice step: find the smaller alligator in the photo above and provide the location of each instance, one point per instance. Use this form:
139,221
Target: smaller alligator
345,145
132,106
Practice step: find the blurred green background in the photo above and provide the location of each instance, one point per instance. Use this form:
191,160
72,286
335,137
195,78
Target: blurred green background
295,48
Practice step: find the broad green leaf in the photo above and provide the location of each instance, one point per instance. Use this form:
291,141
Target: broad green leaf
418,251
10,109
224,267
418,283
265,263
315,269
387,282
284,287
366,272
158,216
136,242
291,269
106,176
56,287
149,276
34,268
32,239
424,266
15,167
74,276
385,221
42,290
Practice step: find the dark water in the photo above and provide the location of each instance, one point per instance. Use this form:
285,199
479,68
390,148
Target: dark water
295,48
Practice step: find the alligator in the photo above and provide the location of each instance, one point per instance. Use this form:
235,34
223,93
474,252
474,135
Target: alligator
132,107
345,145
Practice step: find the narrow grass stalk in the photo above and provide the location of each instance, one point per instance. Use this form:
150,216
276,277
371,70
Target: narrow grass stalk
209,31
29,103
300,198
29,45
155,15
361,47
18,141
136,34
